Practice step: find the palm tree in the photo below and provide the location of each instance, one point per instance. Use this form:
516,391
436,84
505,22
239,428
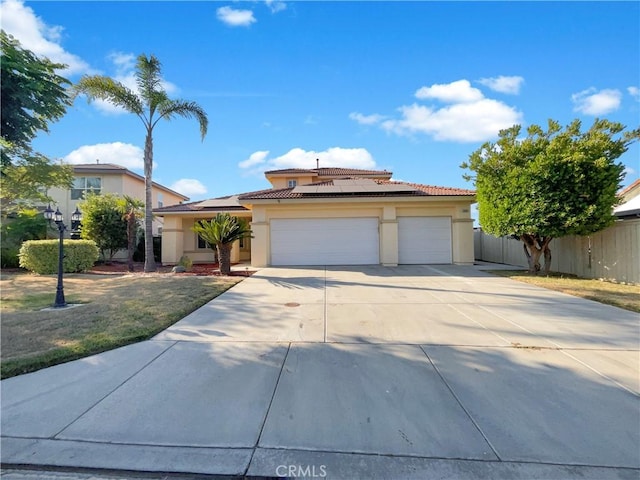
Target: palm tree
150,103
131,209
220,233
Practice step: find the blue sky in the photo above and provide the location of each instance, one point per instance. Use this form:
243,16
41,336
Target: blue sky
411,87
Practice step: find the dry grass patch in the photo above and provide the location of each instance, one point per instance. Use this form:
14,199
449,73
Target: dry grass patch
114,310
616,294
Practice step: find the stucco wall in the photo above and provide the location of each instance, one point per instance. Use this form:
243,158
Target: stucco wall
117,184
283,182
62,198
178,239
387,214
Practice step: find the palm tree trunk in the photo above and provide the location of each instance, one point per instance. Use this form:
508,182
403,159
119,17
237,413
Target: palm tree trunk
224,258
149,260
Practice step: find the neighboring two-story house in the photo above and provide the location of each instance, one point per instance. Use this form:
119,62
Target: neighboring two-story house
333,216
110,178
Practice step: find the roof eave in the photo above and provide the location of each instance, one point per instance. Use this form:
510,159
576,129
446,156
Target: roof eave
361,199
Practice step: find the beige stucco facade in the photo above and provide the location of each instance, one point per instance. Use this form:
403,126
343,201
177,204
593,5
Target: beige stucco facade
178,239
118,181
386,212
284,202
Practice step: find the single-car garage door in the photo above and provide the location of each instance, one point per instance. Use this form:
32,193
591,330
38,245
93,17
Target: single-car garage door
424,240
325,241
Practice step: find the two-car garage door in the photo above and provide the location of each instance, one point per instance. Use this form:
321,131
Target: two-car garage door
325,241
356,241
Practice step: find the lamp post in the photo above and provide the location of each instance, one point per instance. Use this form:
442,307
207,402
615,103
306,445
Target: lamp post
56,216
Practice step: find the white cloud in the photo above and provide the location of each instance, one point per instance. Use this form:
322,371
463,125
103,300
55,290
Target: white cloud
299,158
275,5
462,122
470,118
593,102
235,18
366,119
503,84
634,92
124,62
35,35
256,158
454,92
123,154
189,187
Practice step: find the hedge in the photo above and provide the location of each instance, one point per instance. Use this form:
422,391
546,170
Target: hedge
41,256
9,257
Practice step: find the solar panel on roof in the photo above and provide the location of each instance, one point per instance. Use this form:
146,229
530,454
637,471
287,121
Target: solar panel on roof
351,185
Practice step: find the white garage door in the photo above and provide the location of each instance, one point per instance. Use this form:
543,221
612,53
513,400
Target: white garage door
325,241
424,240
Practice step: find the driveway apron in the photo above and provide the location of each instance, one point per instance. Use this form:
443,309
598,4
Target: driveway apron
351,372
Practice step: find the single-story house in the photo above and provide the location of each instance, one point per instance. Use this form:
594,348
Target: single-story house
629,207
332,216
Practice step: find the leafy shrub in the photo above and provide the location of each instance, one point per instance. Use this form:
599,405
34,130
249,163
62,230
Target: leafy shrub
28,224
103,222
186,262
9,257
41,256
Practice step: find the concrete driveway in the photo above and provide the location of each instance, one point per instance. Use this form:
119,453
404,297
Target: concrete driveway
351,372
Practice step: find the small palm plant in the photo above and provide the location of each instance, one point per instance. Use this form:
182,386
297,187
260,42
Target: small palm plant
220,232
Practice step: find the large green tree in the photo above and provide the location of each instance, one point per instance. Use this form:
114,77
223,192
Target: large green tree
131,210
150,103
33,95
103,222
549,183
220,232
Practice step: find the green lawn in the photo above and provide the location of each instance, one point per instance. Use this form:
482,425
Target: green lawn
114,310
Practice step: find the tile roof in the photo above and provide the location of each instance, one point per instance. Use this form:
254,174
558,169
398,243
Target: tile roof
328,172
629,188
418,190
434,190
220,204
232,202
98,166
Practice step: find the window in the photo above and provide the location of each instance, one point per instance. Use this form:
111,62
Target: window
83,185
201,243
292,183
160,202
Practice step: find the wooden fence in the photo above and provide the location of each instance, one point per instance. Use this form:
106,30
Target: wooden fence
612,254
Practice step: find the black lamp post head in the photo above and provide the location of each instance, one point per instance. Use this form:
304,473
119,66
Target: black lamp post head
48,213
58,216
76,216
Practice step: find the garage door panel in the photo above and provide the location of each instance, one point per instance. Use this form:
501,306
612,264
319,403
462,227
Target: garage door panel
424,240
325,241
